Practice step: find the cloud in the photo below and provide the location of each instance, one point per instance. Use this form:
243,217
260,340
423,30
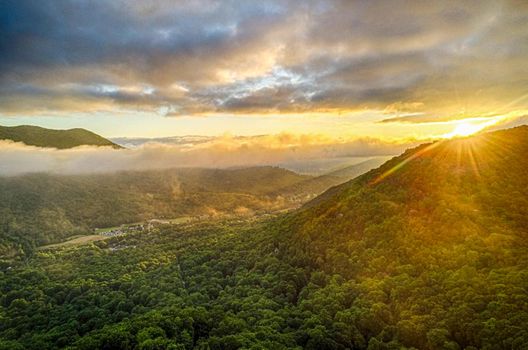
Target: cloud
208,56
510,121
218,152
502,121
419,118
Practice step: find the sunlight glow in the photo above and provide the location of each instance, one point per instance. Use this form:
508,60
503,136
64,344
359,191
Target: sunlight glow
466,127
404,162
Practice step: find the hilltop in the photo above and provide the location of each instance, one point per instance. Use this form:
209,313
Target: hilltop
62,139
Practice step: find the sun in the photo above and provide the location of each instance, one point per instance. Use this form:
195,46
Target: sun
466,128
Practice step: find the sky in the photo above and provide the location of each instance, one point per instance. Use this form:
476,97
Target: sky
398,72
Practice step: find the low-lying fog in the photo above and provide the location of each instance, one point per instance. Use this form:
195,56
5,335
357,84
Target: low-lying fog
306,154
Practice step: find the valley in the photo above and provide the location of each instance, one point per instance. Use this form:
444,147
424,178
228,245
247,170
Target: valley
42,209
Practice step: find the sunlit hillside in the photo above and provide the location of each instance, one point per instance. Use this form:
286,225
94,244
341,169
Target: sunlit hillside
433,243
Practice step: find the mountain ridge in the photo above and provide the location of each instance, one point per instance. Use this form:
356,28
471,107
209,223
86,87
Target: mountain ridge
443,219
53,138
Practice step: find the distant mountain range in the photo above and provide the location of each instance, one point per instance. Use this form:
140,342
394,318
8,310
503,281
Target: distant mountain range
131,142
61,139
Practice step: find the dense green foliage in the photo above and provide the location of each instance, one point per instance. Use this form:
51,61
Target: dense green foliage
42,137
219,286
429,252
437,241
39,209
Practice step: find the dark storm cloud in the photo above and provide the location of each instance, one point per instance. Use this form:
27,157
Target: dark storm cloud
206,56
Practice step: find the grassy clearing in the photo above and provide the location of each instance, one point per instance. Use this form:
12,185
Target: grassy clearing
180,220
74,241
80,239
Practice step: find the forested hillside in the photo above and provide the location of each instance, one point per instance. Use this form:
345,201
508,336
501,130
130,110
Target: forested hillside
39,209
426,252
434,243
352,171
42,137
312,186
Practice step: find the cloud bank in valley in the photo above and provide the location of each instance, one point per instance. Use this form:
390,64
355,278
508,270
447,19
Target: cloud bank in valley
217,152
